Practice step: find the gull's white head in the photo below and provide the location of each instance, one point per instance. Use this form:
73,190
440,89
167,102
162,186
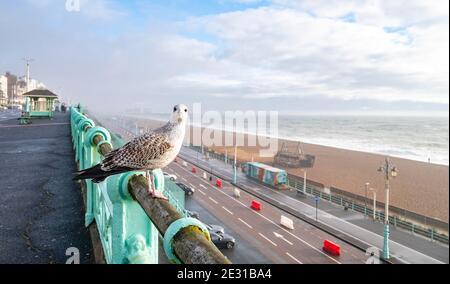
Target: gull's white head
179,114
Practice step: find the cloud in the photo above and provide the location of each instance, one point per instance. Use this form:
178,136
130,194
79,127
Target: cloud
286,51
332,57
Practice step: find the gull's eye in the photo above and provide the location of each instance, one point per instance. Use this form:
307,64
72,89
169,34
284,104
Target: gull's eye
185,110
175,109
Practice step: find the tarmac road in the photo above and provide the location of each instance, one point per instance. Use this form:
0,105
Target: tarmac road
261,229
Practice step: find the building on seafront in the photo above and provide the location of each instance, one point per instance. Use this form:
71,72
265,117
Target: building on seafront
13,88
3,91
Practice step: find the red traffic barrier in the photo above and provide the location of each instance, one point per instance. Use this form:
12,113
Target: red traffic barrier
331,247
194,170
219,183
256,205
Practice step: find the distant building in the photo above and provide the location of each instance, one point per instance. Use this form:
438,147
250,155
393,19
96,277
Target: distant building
11,88
3,90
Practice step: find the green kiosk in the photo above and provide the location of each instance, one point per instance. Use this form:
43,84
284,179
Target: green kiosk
38,103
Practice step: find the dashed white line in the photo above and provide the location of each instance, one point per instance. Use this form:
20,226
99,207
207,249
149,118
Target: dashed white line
267,239
227,210
282,237
245,223
202,186
213,200
301,240
183,179
298,261
199,190
191,185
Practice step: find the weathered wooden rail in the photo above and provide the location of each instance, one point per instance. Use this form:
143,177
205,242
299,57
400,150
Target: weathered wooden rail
128,218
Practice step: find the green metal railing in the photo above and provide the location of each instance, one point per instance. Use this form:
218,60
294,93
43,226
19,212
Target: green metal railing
394,220
128,220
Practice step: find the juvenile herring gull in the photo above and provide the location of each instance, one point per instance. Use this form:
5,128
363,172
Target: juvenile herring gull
153,150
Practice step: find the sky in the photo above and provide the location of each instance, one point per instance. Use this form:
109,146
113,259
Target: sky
297,57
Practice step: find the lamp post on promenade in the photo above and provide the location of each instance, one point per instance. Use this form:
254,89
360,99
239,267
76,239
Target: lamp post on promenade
304,181
374,191
389,171
234,165
365,198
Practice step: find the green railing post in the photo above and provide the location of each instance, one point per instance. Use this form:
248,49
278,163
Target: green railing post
126,233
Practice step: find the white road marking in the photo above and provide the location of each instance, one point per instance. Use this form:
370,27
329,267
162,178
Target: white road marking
282,237
327,215
245,223
202,186
298,261
192,185
213,200
301,240
267,239
183,178
227,210
199,190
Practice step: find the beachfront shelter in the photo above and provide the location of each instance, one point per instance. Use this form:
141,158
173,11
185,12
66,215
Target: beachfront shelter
39,103
266,174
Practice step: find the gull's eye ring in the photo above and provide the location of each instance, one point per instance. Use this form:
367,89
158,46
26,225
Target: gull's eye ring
175,109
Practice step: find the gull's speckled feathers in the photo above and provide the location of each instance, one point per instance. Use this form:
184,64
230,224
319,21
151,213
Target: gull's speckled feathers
149,151
153,150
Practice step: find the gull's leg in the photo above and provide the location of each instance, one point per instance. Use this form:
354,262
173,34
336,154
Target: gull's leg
149,182
153,192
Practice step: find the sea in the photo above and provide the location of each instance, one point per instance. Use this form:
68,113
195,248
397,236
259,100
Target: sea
411,137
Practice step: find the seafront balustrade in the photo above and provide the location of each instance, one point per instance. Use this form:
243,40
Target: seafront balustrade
128,219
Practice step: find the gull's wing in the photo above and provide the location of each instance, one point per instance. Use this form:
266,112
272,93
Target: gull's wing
139,153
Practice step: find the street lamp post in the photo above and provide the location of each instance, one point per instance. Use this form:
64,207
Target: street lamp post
316,199
365,199
304,181
389,171
234,165
374,203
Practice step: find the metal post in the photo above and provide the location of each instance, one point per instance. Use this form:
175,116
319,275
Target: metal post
316,209
388,170
304,181
234,166
365,199
374,205
317,205
386,223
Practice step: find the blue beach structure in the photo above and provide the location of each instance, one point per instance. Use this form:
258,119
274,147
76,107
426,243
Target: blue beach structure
266,174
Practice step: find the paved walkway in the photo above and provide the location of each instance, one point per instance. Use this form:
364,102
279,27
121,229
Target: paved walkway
41,208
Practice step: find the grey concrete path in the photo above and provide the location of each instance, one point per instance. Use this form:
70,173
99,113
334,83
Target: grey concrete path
41,209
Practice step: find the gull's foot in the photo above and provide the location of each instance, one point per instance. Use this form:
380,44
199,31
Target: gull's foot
158,194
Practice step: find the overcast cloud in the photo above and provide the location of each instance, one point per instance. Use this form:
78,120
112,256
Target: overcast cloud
307,56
